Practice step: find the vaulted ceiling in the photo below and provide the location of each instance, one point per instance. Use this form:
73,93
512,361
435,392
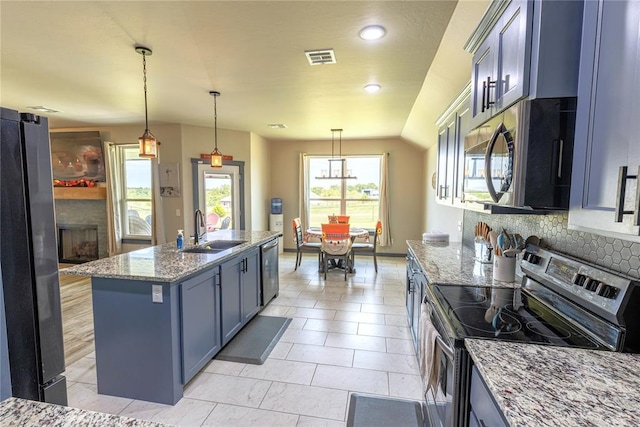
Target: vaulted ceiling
78,57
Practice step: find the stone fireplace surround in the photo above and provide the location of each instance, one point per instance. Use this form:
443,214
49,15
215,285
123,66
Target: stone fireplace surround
85,212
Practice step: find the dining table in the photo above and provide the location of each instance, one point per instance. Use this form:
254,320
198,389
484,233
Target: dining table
354,232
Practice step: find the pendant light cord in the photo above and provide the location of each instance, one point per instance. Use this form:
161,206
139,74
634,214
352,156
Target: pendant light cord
144,79
215,121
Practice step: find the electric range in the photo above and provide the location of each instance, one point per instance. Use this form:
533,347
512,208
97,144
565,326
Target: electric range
562,301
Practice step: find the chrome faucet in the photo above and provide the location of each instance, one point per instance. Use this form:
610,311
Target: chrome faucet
197,224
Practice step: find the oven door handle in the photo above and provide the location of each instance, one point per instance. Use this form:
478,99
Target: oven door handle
448,351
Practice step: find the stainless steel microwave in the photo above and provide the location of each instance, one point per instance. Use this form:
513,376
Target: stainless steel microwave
521,158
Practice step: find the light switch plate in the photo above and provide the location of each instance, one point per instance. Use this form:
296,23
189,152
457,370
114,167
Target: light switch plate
156,293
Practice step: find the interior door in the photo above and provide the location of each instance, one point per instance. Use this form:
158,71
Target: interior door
219,197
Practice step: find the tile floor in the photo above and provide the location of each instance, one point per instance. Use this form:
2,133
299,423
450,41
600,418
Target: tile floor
345,337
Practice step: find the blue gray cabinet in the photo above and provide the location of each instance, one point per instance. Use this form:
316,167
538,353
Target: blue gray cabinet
453,125
200,327
523,48
483,410
414,293
499,74
239,293
251,286
607,124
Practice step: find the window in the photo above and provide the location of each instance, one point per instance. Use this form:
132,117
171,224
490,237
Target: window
359,197
136,194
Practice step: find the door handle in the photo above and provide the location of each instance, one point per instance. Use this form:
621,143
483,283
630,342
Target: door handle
623,176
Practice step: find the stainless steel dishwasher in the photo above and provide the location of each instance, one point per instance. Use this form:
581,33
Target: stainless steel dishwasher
269,262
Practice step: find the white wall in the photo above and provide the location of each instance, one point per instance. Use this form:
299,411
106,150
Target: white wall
260,183
198,140
405,176
439,217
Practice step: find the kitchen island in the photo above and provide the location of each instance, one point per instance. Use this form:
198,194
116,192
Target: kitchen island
160,314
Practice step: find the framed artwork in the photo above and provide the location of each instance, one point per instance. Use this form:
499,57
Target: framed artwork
169,176
77,156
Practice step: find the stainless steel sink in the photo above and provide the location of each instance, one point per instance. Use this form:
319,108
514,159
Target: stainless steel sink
201,250
214,246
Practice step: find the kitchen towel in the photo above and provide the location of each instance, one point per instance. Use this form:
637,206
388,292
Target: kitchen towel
427,346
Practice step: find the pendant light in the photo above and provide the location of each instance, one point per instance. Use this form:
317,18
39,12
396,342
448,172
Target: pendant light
216,155
148,142
336,172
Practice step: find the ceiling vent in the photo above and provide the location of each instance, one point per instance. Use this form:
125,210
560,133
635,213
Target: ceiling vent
318,57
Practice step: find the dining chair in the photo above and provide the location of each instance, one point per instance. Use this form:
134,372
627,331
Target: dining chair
336,245
302,246
368,247
343,219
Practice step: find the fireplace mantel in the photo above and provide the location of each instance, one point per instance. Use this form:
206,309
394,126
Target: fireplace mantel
80,193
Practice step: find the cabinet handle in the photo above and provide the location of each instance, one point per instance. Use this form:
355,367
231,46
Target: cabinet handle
486,93
622,190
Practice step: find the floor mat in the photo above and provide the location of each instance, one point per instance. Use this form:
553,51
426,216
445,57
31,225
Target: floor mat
384,411
254,342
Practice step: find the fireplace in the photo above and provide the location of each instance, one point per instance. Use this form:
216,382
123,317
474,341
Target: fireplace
77,243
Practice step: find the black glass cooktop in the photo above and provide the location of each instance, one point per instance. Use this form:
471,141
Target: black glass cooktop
507,314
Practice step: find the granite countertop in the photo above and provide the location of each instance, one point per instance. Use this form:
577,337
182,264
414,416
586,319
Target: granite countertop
165,263
454,264
536,385
22,412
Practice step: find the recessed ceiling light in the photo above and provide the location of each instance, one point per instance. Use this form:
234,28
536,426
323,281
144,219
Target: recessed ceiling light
277,125
372,32
372,88
43,109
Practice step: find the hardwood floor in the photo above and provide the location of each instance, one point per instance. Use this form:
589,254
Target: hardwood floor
77,316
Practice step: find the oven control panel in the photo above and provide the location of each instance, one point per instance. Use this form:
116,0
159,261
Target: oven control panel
599,289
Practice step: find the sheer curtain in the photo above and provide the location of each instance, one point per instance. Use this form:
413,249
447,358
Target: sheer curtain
384,212
157,220
303,194
114,233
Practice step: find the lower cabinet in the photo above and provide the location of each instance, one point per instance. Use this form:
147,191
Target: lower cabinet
199,304
416,283
239,292
483,409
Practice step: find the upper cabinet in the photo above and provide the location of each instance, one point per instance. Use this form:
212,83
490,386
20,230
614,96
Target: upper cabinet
523,48
608,122
453,125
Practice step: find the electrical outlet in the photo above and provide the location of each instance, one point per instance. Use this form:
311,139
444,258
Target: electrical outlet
460,226
177,212
156,294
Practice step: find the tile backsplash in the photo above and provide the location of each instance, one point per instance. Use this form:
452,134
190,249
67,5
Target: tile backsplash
619,255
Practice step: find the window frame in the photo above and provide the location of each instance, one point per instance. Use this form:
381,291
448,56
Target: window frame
127,236
343,200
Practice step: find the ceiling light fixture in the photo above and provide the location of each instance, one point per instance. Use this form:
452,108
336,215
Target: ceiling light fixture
372,32
336,165
148,142
372,88
216,155
43,109
277,126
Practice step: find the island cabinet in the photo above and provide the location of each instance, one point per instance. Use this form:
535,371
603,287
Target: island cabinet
240,292
523,48
200,326
483,410
607,122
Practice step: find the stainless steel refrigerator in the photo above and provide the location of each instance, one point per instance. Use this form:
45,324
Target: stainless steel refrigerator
29,259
